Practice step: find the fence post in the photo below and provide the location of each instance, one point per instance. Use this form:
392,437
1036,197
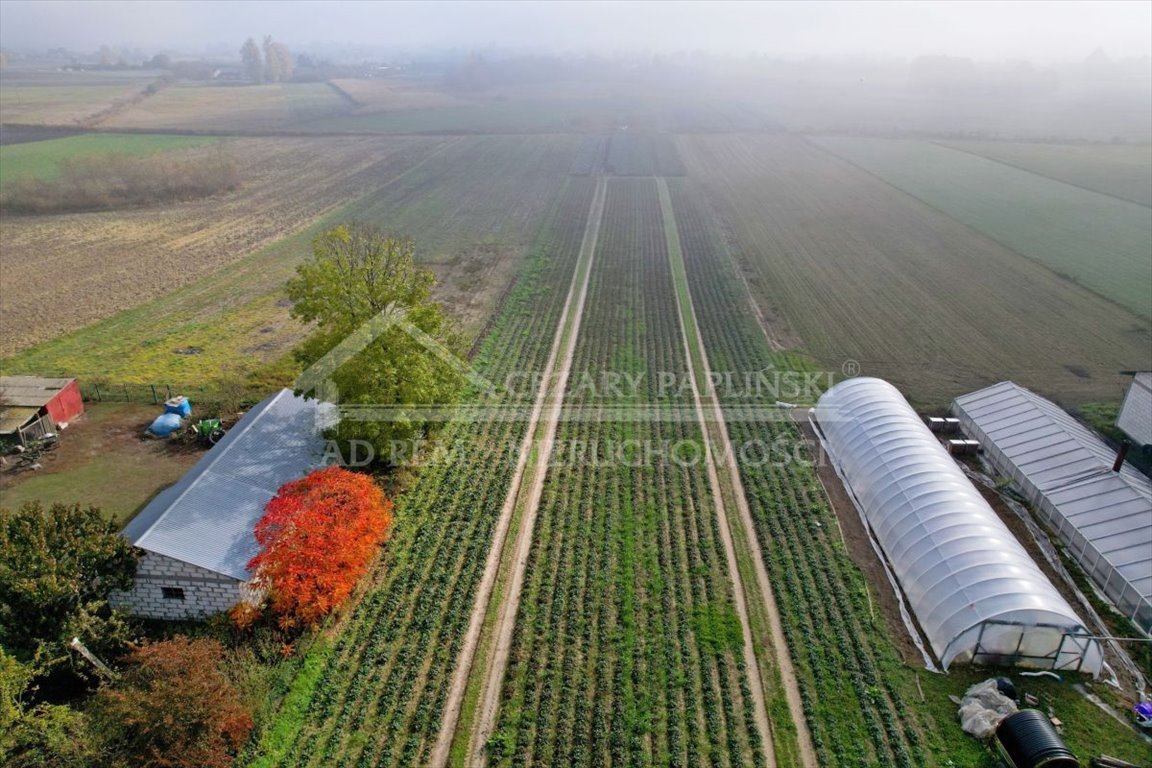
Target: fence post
154,400
169,388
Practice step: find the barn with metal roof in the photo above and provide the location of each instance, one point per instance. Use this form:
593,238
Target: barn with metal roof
198,535
976,593
1065,471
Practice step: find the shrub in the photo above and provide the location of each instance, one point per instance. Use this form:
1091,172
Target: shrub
174,707
317,537
117,180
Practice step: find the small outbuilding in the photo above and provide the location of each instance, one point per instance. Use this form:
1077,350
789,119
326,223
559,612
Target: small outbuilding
197,536
1101,509
33,406
976,593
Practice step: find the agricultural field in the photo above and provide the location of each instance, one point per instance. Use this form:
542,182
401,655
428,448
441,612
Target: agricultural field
860,271
627,645
553,593
1096,241
41,159
853,706
233,108
387,95
1119,170
65,98
397,106
471,204
375,695
115,260
642,154
865,701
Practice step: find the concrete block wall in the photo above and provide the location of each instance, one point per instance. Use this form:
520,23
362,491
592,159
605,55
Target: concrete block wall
205,592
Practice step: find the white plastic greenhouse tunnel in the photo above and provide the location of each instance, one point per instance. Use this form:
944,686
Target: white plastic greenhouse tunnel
976,593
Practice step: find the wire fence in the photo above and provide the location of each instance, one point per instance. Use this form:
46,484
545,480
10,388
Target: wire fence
142,393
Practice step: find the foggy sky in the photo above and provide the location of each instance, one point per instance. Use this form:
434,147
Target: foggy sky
1043,32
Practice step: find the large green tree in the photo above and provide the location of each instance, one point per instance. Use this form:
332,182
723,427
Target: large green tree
57,567
357,276
38,735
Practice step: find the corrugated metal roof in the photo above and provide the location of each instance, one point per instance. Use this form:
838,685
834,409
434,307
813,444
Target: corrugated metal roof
1136,413
11,419
1071,467
208,517
30,391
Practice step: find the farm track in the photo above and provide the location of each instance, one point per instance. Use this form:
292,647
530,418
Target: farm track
731,500
538,439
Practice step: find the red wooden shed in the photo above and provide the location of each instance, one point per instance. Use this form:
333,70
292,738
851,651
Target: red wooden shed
31,405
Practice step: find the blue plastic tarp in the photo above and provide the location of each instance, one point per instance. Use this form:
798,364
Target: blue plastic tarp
165,424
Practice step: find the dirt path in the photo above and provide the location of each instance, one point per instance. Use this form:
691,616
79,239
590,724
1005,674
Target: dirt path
731,490
524,497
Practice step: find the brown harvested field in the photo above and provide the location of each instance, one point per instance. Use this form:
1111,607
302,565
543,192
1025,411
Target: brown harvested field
861,271
194,107
64,98
474,205
58,273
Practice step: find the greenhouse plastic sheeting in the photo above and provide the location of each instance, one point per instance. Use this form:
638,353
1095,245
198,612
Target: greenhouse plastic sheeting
971,585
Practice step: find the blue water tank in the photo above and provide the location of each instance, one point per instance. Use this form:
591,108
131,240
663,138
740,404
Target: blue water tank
165,424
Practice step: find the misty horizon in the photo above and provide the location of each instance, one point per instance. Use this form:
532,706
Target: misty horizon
1041,33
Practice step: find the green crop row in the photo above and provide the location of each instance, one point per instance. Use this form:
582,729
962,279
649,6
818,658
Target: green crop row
626,649
379,698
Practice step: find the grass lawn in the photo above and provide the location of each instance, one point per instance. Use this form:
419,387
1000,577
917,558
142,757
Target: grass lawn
1087,730
41,159
104,460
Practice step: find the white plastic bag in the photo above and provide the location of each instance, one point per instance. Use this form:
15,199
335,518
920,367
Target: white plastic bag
982,709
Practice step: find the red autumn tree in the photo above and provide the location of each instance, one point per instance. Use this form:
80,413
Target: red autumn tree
173,707
317,537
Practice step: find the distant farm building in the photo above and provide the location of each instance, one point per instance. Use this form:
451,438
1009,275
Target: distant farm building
975,591
1135,419
31,406
198,536
1065,471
